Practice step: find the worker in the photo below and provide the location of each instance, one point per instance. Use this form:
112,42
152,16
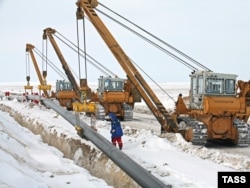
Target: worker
116,131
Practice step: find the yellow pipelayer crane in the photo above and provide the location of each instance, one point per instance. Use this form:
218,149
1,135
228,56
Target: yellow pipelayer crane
42,77
219,106
76,98
86,8
114,94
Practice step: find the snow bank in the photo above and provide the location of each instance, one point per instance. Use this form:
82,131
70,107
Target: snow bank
62,135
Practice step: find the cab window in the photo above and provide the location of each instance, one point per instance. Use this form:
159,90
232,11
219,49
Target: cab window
214,85
230,86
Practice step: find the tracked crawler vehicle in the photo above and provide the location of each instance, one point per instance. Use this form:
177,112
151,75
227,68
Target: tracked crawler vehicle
218,107
220,104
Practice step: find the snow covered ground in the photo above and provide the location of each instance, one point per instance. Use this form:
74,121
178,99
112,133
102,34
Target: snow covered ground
25,160
28,162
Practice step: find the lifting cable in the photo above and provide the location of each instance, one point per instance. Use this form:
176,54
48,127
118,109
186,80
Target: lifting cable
78,54
44,71
75,50
27,65
45,60
102,65
71,69
43,52
41,55
78,47
152,43
85,48
93,61
157,38
153,81
190,66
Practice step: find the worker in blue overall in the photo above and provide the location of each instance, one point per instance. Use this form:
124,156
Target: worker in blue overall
116,130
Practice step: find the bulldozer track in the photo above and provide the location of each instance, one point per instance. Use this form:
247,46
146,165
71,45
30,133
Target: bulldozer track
199,130
243,133
100,112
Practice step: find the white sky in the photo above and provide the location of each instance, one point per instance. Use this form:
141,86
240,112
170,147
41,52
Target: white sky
178,163
215,33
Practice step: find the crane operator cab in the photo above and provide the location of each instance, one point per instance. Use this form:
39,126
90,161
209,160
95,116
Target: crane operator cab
207,83
110,84
62,85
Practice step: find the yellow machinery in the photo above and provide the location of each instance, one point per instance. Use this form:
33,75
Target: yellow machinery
70,94
42,78
114,94
28,86
216,109
83,105
221,104
65,94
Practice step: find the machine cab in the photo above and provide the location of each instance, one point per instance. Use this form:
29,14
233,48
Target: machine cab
110,84
206,83
62,85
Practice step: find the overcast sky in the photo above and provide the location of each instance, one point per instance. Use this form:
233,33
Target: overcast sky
214,33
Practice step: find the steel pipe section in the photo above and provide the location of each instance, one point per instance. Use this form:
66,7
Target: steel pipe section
129,166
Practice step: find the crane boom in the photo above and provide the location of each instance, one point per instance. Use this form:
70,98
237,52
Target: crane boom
29,49
152,101
48,32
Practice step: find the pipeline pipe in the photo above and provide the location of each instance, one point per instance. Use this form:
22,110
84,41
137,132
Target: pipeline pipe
129,166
